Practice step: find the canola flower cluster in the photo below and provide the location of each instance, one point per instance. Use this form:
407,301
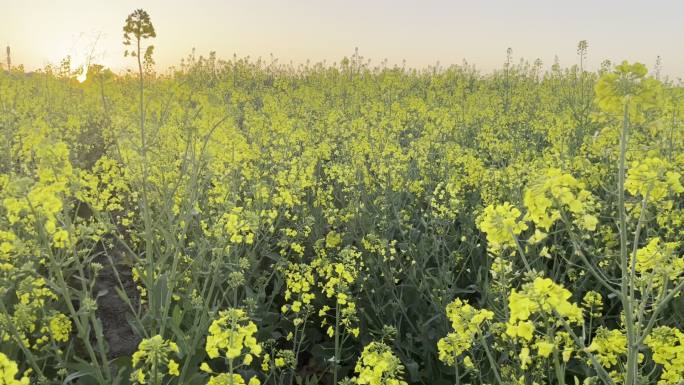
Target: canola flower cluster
300,281
657,262
667,345
336,280
501,223
610,346
653,179
627,86
231,335
593,302
231,379
154,359
555,191
27,319
377,365
9,372
466,322
540,306
280,360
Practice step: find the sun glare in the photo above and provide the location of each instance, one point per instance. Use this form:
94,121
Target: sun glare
83,75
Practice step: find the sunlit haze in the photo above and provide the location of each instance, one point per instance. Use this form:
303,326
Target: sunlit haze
420,32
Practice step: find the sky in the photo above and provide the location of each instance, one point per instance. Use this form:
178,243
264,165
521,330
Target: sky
421,32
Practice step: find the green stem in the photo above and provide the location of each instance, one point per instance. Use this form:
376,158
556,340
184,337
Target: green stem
492,363
457,377
558,369
521,251
627,279
337,341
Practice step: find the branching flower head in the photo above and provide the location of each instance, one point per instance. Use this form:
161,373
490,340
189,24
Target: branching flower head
232,379
653,179
378,366
232,335
336,280
501,223
541,300
593,302
627,85
28,314
60,327
555,191
667,345
8,372
466,322
657,263
154,357
299,279
609,346
139,27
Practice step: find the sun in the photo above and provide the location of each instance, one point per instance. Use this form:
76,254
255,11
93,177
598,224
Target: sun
83,75
81,51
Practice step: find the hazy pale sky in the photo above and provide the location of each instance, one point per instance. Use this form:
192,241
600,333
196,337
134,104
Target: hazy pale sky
421,32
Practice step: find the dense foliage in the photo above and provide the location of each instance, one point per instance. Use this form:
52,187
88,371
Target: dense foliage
260,223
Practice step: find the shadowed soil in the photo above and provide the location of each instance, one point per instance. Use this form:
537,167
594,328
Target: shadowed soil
113,311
